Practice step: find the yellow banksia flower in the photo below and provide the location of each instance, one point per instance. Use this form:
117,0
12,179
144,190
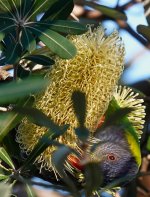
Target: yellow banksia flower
95,70
125,97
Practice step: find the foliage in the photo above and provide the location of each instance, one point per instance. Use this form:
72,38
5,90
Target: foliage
21,34
20,31
143,29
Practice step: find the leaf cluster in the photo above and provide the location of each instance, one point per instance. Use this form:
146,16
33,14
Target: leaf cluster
22,28
143,29
24,25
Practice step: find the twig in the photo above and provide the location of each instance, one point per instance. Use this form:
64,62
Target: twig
117,4
129,29
7,67
15,66
74,16
127,5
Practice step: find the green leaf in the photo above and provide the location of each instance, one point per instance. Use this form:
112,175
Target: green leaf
64,26
39,6
1,48
5,157
30,191
144,31
61,9
22,73
3,177
7,27
42,51
146,10
118,116
46,140
37,117
6,8
59,158
22,6
5,190
12,91
15,5
82,133
12,147
27,40
4,18
57,43
40,59
110,12
148,144
2,35
93,178
9,40
9,120
13,53
79,105
25,7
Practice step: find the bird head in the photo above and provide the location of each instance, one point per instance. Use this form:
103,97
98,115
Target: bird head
116,155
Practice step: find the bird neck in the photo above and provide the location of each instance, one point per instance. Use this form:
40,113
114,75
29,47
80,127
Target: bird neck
134,147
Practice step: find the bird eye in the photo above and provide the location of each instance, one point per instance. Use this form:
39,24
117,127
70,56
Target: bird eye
111,157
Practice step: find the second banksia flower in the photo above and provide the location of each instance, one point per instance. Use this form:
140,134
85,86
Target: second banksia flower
95,70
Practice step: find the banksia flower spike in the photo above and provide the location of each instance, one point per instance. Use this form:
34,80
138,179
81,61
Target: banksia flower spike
125,97
95,70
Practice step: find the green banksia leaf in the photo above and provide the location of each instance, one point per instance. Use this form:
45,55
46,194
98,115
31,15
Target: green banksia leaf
13,53
9,120
144,31
115,114
5,6
110,12
148,144
27,40
3,177
22,73
59,10
68,26
118,116
57,43
38,7
40,59
13,90
146,10
7,27
82,133
26,6
37,117
6,158
30,191
58,159
79,105
2,35
93,178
